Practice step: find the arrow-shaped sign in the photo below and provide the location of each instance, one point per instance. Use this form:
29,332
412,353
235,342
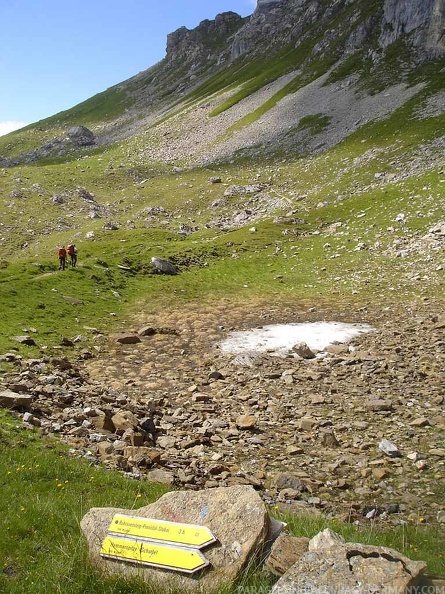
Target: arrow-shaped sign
149,553
189,535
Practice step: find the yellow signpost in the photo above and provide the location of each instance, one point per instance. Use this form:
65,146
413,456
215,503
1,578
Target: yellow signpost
158,543
189,535
137,550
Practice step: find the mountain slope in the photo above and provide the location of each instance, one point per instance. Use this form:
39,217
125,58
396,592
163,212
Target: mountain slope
224,61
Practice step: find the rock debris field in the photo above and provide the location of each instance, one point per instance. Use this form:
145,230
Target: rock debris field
355,432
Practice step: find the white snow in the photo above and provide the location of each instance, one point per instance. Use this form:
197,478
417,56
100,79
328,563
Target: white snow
280,338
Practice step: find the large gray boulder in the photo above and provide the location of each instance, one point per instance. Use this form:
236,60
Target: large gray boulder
235,515
164,266
81,136
332,565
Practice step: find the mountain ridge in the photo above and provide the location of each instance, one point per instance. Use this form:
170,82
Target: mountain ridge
307,37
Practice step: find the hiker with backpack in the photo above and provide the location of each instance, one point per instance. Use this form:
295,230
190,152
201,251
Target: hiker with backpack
62,258
72,253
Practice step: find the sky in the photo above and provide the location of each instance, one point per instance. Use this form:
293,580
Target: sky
55,54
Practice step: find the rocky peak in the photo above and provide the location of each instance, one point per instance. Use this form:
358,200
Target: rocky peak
208,38
277,22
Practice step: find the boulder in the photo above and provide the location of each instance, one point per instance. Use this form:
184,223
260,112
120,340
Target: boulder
80,135
246,421
332,566
124,420
9,399
164,266
303,351
235,515
285,552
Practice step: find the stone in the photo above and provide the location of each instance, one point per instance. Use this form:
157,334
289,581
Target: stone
420,422
164,266
307,424
287,480
331,566
236,516
379,405
124,420
379,473
246,421
28,340
389,448
326,539
329,440
142,456
303,351
81,136
158,475
285,552
147,331
127,338
10,399
103,422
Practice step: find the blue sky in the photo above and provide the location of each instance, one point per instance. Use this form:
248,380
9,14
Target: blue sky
57,53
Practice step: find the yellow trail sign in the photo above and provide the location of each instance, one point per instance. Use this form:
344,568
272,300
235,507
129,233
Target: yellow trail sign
154,554
189,535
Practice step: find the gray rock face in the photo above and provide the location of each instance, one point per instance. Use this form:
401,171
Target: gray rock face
288,20
424,19
236,516
189,45
332,566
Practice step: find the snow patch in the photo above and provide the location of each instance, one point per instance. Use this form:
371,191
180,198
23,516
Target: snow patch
280,338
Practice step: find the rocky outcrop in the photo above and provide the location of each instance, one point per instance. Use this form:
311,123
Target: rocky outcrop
275,22
278,22
210,40
76,138
422,20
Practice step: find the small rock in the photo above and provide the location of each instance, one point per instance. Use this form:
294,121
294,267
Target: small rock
379,405
246,422
389,449
127,338
303,351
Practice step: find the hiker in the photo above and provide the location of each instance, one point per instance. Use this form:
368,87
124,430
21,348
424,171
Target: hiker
62,258
72,253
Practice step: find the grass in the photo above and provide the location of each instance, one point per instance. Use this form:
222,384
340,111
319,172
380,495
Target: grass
45,493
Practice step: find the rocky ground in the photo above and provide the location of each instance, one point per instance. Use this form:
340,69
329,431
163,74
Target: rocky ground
194,137
162,402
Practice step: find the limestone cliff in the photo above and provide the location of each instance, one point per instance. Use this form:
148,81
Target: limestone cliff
276,22
422,20
210,40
